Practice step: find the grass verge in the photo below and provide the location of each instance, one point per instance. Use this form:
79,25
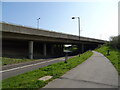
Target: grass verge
113,57
30,79
8,61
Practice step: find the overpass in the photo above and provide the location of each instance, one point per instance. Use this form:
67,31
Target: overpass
27,42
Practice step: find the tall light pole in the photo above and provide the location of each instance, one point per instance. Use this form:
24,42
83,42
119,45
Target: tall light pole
38,23
78,29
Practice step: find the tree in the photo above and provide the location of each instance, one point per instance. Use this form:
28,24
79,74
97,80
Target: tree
115,42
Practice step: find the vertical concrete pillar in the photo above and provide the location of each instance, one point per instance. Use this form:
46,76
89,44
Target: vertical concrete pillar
30,49
52,49
62,48
98,45
82,48
44,49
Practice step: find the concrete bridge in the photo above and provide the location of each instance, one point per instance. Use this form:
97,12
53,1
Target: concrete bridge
26,42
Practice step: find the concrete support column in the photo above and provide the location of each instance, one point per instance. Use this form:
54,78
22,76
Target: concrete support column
98,45
79,47
44,49
57,47
30,49
62,48
52,49
82,48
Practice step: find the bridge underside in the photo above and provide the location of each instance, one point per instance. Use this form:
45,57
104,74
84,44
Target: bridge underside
16,48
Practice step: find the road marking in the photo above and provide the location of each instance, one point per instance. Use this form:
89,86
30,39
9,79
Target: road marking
29,65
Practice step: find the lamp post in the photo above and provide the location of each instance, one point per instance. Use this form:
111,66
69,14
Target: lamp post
38,23
78,29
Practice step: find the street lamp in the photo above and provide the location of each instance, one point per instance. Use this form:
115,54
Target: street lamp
78,28
38,23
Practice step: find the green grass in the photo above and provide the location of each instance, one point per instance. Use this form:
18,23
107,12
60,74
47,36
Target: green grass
73,49
113,57
8,61
30,79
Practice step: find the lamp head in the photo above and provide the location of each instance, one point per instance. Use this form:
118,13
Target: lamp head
73,17
38,18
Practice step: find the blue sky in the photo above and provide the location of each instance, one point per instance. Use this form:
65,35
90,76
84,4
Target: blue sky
98,19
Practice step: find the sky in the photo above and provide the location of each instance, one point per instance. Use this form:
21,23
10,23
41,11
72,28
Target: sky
97,19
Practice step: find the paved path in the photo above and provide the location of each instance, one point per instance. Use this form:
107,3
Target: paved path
96,72
15,69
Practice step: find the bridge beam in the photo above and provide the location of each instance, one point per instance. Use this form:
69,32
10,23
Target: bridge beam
30,49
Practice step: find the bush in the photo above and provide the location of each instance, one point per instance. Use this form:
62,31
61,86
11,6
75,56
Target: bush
115,42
